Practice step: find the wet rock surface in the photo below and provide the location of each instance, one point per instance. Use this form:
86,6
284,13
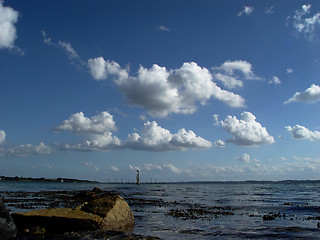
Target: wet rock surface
105,211
8,229
80,214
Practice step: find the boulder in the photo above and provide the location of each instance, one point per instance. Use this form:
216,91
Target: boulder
57,220
108,212
8,229
114,211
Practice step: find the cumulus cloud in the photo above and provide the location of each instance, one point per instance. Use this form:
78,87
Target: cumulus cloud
10,150
244,158
303,23
301,132
97,132
8,19
25,150
100,69
228,81
152,137
219,143
310,95
233,67
246,131
81,125
172,168
246,10
2,136
160,168
275,80
161,91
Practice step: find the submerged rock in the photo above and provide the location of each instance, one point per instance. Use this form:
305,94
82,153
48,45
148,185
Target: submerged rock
8,229
108,212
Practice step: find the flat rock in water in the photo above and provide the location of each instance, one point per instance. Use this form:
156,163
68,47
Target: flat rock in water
57,220
108,212
8,229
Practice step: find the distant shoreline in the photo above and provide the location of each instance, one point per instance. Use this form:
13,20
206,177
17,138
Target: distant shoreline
29,179
71,180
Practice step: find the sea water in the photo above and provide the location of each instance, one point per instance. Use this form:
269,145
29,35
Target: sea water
294,207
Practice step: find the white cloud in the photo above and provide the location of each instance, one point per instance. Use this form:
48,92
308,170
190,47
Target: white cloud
97,134
164,28
8,18
2,136
150,167
228,81
246,10
91,165
162,92
155,138
160,168
301,132
172,168
270,10
49,166
216,119
81,125
25,150
88,164
289,70
231,67
47,40
95,130
219,143
246,131
96,168
100,69
142,117
283,158
73,56
115,169
311,94
134,168
244,158
308,159
303,24
275,80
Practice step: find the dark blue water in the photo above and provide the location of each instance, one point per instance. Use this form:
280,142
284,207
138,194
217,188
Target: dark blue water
235,210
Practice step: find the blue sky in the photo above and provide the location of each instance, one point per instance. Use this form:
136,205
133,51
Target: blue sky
182,90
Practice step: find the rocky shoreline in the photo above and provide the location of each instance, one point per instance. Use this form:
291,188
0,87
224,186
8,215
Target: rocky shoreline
92,214
145,207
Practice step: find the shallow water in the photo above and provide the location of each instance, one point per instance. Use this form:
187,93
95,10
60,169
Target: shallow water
210,210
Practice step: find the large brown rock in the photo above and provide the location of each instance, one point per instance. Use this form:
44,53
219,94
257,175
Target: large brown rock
8,229
114,211
107,212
